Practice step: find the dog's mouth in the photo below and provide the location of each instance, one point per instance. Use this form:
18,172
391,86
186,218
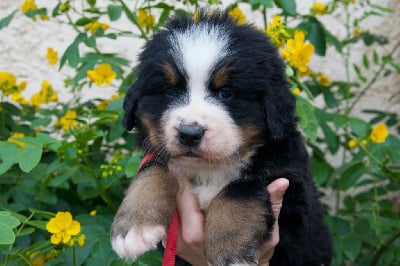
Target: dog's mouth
188,154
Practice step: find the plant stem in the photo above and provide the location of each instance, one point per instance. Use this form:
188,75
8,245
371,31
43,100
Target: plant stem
103,192
384,246
19,231
373,80
73,256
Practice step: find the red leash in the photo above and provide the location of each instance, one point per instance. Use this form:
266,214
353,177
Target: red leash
172,234
172,239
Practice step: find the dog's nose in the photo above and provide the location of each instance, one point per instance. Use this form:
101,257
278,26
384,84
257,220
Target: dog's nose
190,135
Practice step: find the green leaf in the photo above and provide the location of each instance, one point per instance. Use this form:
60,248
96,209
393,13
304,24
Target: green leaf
333,40
8,219
264,3
329,98
321,169
72,52
116,131
38,224
365,61
359,127
350,174
288,6
7,236
352,247
83,21
376,58
29,157
26,231
7,223
316,35
359,74
339,226
73,56
132,166
8,156
92,3
330,137
308,121
4,22
382,8
114,12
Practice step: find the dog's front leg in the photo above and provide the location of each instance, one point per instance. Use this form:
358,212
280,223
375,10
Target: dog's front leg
142,219
238,220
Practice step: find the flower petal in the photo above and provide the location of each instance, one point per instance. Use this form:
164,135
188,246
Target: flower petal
64,220
56,238
66,238
52,226
74,228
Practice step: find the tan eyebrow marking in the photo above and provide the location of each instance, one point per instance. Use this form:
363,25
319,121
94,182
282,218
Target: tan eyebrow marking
220,77
170,74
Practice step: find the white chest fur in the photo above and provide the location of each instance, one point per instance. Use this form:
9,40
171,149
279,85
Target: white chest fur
207,180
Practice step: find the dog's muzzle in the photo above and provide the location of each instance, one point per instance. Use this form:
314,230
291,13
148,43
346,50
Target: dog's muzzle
190,135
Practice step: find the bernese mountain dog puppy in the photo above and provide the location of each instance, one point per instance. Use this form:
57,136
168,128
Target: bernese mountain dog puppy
211,102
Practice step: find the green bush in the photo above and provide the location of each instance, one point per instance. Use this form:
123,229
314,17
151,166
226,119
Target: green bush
60,158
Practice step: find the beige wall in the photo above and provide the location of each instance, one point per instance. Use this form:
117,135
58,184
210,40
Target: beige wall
24,43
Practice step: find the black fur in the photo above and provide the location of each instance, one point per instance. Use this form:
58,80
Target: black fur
261,99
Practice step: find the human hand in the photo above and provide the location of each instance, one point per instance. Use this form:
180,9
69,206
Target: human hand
190,244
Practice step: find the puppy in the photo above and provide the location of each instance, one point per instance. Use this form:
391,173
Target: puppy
211,102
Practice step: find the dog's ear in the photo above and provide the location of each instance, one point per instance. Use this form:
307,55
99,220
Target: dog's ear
130,104
279,106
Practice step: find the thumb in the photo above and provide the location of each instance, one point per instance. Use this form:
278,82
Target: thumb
276,191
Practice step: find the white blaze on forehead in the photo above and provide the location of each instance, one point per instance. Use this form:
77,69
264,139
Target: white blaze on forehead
197,50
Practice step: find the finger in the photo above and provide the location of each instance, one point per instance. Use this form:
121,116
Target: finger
191,217
276,191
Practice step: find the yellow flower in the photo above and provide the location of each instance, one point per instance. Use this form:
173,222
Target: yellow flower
14,139
37,260
298,53
319,9
8,83
351,144
64,7
379,133
277,31
103,73
22,85
81,240
45,95
96,25
103,105
296,91
68,121
237,15
357,31
93,213
28,5
324,79
18,98
52,56
145,19
45,17
62,227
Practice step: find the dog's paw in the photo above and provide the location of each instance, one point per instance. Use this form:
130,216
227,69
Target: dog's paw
137,241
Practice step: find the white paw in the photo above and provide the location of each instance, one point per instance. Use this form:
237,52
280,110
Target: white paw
138,241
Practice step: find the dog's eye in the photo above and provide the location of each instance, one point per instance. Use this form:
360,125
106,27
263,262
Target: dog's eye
224,94
171,92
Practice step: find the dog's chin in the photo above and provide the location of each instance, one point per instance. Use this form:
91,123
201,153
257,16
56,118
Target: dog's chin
195,158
